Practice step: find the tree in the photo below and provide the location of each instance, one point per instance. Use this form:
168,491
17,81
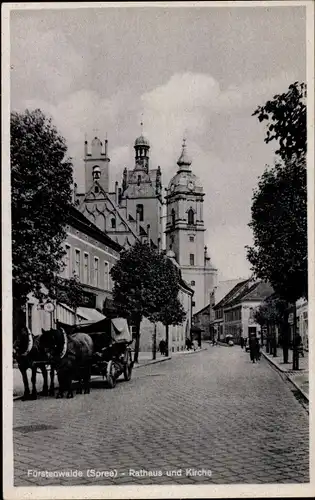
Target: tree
272,313
172,313
41,179
170,310
286,117
144,282
279,207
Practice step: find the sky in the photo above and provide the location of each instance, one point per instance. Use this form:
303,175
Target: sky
198,72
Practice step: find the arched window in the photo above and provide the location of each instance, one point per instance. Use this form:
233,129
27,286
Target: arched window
191,217
173,216
113,223
140,212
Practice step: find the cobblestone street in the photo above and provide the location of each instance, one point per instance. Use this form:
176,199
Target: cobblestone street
211,411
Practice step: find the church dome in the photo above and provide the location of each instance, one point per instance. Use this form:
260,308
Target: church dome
184,180
142,141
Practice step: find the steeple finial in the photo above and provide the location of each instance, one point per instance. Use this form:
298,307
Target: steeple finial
184,161
141,124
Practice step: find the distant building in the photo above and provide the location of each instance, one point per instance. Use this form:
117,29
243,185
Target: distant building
206,317
234,314
302,321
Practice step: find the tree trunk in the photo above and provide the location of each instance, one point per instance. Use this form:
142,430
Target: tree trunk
167,338
274,341
154,343
268,339
295,364
137,344
285,338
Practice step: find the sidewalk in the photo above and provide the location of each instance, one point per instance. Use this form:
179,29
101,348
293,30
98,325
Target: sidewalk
145,358
299,378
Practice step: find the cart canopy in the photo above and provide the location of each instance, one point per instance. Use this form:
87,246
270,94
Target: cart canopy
115,330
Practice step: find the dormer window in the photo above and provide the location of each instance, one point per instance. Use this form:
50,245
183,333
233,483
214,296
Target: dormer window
96,189
113,223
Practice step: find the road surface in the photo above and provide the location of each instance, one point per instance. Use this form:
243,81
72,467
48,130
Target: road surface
210,417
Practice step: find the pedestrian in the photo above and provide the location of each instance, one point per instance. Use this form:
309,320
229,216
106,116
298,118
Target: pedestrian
258,353
242,342
253,347
299,345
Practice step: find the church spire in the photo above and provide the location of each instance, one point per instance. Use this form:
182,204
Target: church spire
184,161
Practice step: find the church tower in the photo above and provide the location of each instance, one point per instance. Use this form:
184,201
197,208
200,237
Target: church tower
96,163
141,192
185,231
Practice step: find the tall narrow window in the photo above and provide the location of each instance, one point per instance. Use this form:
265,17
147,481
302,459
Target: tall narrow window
139,180
191,217
30,317
86,268
113,222
106,275
77,263
191,259
173,216
96,271
68,262
140,212
110,281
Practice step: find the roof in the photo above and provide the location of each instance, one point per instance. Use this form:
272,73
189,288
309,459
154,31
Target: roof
253,292
232,293
90,314
79,221
142,141
224,287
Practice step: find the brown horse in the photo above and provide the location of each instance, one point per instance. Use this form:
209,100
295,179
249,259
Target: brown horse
28,354
72,357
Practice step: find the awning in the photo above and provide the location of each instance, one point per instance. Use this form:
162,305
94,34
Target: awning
90,314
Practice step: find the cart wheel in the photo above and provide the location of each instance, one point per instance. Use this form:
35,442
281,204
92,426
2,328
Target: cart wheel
110,375
128,367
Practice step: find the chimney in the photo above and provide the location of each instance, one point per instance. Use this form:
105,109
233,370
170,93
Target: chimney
116,193
149,234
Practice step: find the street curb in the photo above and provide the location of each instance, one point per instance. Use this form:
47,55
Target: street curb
298,387
152,362
175,354
287,375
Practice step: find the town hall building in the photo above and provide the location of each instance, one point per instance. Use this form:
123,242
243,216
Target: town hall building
133,212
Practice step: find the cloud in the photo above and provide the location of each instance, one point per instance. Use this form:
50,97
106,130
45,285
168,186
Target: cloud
224,141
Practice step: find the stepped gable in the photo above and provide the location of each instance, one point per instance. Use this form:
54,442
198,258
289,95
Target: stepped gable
78,219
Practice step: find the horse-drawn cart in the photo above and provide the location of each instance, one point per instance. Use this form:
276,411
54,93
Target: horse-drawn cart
112,355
